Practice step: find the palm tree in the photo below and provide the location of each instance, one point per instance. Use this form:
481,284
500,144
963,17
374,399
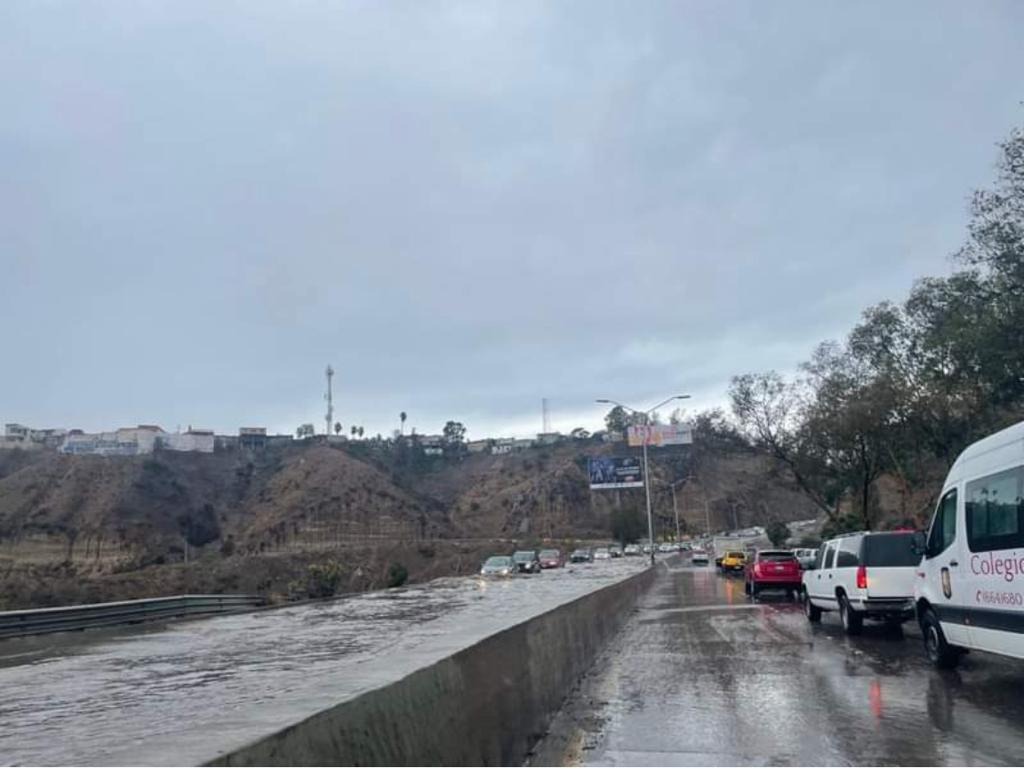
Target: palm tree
354,431
403,416
337,428
361,431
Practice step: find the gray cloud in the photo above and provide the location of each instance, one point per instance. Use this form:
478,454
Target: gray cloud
468,206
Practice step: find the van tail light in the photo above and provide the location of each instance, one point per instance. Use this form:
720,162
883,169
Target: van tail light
862,577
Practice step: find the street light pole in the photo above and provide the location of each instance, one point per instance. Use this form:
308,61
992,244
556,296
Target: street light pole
645,415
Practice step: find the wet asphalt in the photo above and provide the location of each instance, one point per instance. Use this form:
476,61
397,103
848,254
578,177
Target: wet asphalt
182,693
704,675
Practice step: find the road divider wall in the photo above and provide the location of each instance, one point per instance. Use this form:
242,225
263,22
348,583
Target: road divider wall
487,704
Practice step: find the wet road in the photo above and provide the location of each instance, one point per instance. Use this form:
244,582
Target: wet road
702,675
185,692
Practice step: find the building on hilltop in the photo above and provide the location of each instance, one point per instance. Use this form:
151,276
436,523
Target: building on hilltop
133,441
252,438
19,436
503,446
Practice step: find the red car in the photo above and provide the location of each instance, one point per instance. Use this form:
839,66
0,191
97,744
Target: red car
551,559
773,570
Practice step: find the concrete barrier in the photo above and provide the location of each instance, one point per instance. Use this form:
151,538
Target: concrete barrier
485,705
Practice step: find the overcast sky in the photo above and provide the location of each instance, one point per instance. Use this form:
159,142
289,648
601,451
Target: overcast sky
466,207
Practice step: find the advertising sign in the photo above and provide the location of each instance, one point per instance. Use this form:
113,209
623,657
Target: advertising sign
615,473
660,435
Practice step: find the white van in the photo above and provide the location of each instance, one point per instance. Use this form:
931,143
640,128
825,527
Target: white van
969,592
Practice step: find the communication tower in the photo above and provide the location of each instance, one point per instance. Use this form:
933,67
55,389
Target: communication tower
545,415
329,399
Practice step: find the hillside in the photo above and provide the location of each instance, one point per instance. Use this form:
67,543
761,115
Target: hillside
123,526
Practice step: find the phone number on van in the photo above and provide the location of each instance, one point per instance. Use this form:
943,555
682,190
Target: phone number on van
1000,598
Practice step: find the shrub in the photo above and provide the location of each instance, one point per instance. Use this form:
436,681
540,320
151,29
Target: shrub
397,575
323,579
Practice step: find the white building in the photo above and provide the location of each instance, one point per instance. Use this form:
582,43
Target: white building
132,441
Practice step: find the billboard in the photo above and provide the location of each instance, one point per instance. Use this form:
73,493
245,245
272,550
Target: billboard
615,473
660,435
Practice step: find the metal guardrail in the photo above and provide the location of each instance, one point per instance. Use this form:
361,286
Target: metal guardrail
59,618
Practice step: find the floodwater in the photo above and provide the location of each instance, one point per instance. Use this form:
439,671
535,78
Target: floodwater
186,692
703,675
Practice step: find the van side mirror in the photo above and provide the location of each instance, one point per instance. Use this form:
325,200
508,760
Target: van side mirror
919,544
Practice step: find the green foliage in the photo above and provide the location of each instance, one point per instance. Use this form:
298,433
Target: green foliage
323,579
777,532
807,541
914,383
454,436
398,575
305,431
628,525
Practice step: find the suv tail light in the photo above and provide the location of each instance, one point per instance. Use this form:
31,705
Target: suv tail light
862,577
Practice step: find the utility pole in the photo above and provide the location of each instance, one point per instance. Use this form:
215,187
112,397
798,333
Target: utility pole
645,417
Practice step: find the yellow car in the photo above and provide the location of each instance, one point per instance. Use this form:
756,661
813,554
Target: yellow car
734,560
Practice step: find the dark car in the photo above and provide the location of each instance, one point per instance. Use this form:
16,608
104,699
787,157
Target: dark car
551,559
526,561
581,556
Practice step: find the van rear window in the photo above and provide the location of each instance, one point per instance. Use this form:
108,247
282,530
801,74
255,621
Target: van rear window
890,550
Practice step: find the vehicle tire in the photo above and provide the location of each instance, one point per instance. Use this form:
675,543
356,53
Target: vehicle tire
942,654
746,588
754,590
812,612
853,620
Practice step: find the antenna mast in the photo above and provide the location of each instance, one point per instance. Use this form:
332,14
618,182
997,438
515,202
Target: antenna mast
545,415
330,402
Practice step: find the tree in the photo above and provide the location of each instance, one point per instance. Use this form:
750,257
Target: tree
777,533
402,417
305,431
580,434
628,525
337,428
354,431
618,420
454,434
362,431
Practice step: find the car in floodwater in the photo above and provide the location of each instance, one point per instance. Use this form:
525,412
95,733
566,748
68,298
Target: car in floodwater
699,557
581,555
526,561
602,554
551,559
498,566
631,550
615,551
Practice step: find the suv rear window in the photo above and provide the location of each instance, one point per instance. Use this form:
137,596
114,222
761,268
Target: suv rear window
890,550
776,555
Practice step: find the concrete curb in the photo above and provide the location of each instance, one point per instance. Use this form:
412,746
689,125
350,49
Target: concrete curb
487,704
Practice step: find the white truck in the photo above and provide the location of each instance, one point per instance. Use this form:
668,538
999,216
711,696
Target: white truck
862,575
969,592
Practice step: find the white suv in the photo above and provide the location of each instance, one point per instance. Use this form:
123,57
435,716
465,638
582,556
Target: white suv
868,575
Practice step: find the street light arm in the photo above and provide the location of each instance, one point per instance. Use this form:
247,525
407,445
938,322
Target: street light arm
667,400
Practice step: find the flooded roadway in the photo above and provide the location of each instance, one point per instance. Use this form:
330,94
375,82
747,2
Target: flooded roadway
183,693
703,675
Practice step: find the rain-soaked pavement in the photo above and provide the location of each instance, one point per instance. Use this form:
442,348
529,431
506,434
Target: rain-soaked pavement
183,693
702,675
